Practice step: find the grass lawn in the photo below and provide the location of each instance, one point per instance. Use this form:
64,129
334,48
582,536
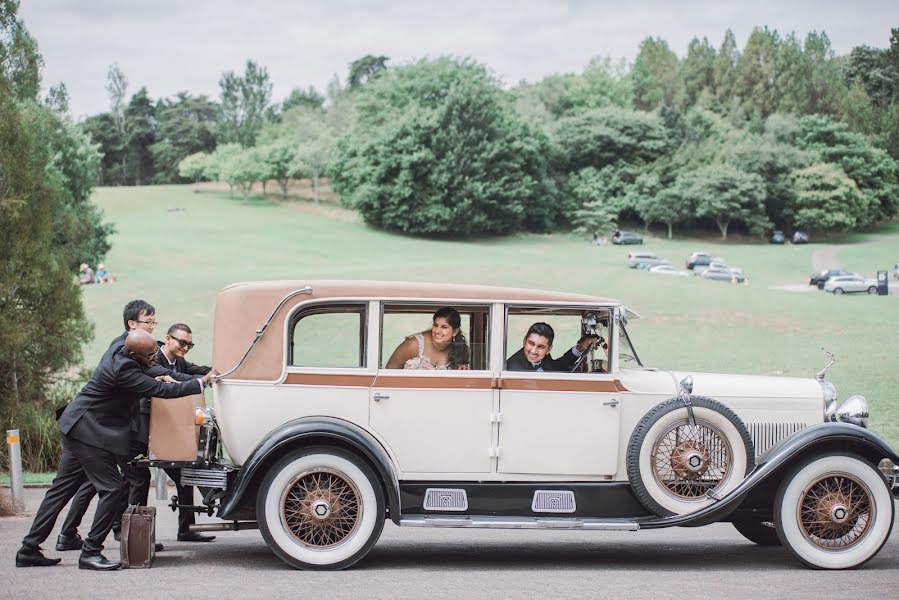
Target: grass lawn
30,478
179,259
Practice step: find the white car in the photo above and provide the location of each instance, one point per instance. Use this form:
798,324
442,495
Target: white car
716,263
668,270
644,260
325,442
850,283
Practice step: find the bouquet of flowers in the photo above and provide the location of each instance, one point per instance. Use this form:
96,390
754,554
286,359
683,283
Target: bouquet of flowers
419,362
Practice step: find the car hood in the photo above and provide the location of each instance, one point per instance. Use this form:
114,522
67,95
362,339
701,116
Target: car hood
722,386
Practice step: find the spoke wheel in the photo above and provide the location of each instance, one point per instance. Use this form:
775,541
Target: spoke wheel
321,508
690,461
676,467
835,511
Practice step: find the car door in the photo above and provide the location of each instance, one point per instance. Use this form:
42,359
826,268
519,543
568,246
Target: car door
437,424
558,424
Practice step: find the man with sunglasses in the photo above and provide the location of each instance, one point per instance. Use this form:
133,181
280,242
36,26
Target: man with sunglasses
96,433
171,355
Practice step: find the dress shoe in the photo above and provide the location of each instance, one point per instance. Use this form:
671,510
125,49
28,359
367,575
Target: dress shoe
158,547
33,557
117,534
97,562
65,542
194,536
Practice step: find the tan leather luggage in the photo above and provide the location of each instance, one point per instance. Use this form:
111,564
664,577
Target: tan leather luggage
138,543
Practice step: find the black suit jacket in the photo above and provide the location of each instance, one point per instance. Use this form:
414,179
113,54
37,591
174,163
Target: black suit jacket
181,368
518,362
101,414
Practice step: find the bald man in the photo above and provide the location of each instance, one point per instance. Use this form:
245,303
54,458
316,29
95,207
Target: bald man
96,429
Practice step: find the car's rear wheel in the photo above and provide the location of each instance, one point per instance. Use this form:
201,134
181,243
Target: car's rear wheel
321,508
838,291
834,511
762,533
677,467
872,290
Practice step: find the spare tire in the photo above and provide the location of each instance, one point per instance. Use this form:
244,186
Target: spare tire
677,468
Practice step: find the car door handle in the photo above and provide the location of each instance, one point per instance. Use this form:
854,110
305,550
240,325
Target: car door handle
612,402
378,397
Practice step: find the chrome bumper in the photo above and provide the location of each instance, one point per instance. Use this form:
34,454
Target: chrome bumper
891,472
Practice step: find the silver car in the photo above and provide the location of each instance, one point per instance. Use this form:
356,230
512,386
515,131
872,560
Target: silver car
645,260
724,273
850,283
668,270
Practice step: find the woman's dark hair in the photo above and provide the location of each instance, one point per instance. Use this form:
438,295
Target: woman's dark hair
459,352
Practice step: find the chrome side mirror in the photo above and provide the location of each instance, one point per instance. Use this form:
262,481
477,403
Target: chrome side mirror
686,385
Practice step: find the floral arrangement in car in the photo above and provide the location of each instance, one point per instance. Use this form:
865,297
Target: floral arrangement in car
419,362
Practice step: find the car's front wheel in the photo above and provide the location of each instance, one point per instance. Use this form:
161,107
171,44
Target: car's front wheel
838,291
834,511
320,508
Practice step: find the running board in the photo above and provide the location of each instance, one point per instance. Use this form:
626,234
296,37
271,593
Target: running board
488,522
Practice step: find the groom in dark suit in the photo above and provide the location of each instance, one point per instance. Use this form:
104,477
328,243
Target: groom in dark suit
96,430
535,353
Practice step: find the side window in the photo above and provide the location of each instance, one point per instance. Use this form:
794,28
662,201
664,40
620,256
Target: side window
565,326
406,323
329,336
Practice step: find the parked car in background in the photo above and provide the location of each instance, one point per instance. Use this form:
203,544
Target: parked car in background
644,260
724,273
668,270
777,237
716,262
821,278
800,237
698,258
850,283
625,238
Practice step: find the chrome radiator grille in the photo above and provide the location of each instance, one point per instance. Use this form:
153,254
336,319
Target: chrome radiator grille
766,435
204,477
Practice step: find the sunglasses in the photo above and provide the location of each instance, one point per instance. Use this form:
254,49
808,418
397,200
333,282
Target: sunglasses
183,343
150,357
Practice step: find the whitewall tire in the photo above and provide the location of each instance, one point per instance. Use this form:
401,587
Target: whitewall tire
675,468
834,511
320,508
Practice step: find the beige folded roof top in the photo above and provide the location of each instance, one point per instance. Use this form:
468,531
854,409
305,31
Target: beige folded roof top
242,308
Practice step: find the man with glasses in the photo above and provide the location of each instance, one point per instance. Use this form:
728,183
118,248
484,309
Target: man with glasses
96,433
171,356
138,315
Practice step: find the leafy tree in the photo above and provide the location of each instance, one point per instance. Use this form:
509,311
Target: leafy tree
436,150
117,89
185,125
826,199
872,169
309,98
726,68
243,168
698,71
726,195
195,167
140,130
656,76
244,104
755,73
826,85
42,323
605,136
102,130
657,203
280,160
365,69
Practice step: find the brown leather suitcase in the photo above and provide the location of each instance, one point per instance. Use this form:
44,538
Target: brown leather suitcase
138,543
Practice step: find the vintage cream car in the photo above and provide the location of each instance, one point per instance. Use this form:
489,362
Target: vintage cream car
325,443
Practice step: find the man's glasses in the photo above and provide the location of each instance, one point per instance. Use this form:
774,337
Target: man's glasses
152,322
183,343
151,357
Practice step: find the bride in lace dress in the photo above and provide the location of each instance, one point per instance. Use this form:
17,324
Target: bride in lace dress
441,347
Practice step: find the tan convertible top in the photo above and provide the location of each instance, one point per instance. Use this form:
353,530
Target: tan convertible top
242,308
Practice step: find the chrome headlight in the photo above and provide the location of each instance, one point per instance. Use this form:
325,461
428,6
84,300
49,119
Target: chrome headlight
854,410
830,399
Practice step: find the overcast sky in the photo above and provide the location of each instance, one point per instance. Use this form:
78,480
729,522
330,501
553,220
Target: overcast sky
174,45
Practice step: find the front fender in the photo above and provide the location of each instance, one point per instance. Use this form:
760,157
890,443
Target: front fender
818,438
311,431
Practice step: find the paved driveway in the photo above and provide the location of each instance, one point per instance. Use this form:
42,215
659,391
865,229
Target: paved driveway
709,562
